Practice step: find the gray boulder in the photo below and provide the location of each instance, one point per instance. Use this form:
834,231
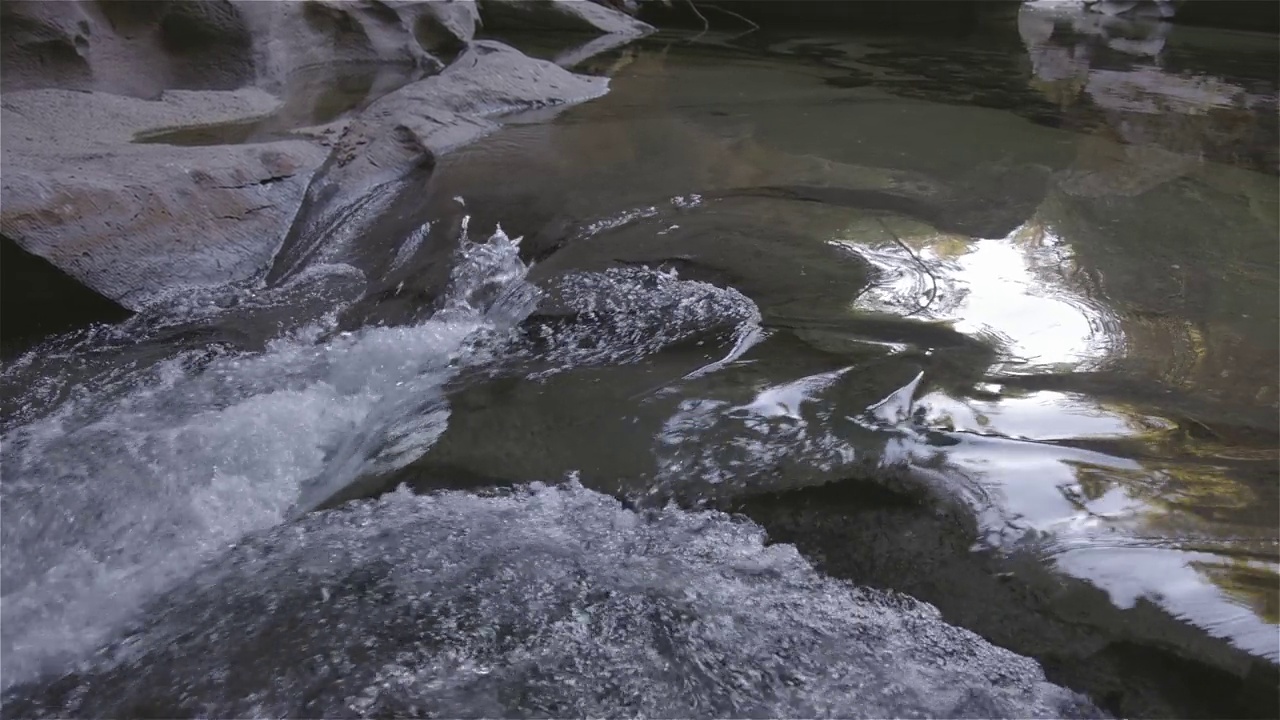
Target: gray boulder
409,129
431,117
1161,123
134,221
1156,9
44,41
1227,14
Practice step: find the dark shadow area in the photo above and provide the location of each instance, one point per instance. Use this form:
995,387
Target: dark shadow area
39,300
210,45
923,16
1230,14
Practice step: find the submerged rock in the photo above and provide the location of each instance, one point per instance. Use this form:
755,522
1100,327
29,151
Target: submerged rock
1136,662
543,602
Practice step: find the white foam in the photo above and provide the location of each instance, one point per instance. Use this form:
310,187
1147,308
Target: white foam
718,442
125,487
546,602
631,312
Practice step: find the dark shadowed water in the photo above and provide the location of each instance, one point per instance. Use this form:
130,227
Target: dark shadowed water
990,319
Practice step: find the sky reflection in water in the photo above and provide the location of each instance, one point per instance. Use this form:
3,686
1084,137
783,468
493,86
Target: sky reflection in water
1121,522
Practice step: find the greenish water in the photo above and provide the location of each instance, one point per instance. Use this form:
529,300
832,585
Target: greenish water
1076,306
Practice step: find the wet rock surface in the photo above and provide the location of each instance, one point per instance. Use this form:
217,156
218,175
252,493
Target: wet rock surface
1137,662
139,197
411,128
1028,377
135,222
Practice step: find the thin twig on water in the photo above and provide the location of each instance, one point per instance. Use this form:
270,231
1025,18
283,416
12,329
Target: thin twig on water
746,20
705,25
933,278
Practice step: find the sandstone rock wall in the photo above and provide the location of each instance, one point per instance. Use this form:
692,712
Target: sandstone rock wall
131,160
141,48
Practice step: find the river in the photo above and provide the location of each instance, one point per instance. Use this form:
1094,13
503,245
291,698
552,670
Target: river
990,323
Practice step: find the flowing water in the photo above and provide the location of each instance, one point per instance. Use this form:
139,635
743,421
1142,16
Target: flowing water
1025,281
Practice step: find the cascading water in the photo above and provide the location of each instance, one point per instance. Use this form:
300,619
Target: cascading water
117,491
112,495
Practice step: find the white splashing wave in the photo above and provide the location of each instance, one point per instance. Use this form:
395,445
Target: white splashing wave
626,313
544,602
125,487
720,442
91,362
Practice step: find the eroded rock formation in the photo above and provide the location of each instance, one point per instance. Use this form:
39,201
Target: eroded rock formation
145,145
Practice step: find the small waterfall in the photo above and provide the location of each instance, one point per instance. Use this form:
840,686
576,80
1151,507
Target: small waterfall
121,489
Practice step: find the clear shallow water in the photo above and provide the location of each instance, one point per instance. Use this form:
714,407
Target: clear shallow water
760,267
1095,341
